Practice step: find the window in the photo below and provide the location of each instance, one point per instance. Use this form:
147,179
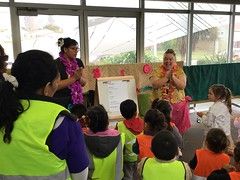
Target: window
211,7
67,2
6,33
165,5
115,3
236,41
112,40
42,32
162,32
237,8
210,39
111,32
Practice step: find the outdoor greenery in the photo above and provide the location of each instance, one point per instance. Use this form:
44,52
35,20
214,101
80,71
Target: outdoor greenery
127,58
122,58
204,43
130,57
215,59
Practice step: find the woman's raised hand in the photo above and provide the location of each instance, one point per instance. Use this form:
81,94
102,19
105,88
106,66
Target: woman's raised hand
78,73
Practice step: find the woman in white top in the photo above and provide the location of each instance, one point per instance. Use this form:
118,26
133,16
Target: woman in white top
219,114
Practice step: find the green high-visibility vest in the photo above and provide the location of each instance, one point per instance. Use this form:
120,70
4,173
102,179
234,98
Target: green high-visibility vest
153,169
108,168
128,154
27,154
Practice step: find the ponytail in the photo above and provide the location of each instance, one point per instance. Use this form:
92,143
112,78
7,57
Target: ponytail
10,109
155,120
228,100
164,107
224,94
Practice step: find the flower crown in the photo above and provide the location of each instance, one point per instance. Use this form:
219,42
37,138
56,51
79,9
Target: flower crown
60,42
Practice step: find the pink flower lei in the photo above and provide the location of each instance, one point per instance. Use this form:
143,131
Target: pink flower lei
76,88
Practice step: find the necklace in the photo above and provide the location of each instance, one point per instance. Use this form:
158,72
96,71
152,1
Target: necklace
167,89
76,88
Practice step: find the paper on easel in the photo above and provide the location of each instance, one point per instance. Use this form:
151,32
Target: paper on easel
117,92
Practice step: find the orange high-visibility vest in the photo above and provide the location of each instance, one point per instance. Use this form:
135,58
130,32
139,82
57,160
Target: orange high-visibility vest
208,161
144,142
234,175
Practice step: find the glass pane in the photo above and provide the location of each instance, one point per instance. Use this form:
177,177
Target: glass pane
210,39
165,5
112,40
67,2
42,32
236,41
162,32
237,8
211,7
6,33
115,3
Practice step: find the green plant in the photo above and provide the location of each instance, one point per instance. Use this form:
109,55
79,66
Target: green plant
215,59
127,58
122,58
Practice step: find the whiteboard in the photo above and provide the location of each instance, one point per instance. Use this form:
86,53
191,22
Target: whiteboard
113,90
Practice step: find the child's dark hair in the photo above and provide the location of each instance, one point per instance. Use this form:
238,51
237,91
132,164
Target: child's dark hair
3,57
223,93
33,70
155,121
164,145
216,140
236,153
164,107
79,110
219,174
97,118
66,43
128,109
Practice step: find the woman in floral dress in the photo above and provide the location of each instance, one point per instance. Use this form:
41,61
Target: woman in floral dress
169,81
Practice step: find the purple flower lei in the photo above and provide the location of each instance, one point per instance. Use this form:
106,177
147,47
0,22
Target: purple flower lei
76,88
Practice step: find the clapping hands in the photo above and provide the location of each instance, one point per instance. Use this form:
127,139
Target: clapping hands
78,73
170,75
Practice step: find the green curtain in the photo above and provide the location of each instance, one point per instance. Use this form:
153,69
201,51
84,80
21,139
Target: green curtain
201,77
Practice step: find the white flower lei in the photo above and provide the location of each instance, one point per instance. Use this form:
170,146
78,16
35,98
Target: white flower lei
11,79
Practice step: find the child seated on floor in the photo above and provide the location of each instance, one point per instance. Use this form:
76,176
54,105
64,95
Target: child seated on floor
105,146
164,164
211,157
229,172
166,108
131,126
154,122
